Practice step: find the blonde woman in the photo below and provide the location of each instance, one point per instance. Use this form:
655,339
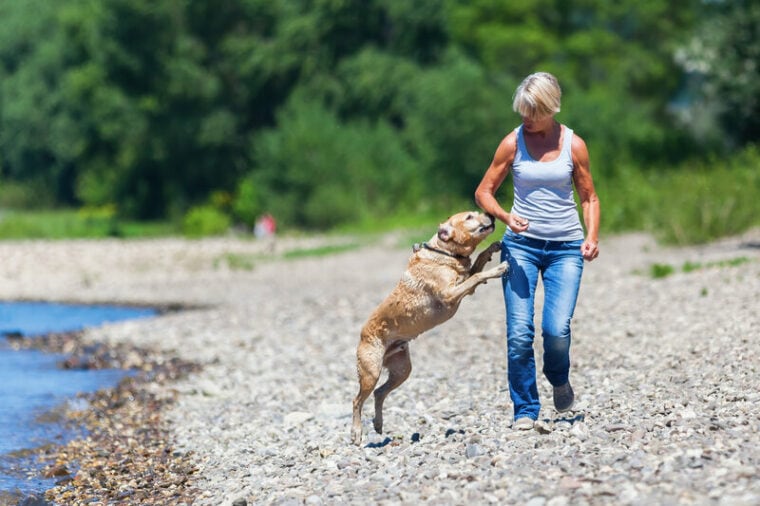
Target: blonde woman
544,237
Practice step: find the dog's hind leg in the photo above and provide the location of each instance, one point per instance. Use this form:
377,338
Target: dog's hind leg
399,365
369,364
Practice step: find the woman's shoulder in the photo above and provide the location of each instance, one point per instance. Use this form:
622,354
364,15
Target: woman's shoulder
511,138
509,143
505,152
576,141
578,149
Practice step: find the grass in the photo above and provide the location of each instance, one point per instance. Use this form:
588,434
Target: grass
320,251
248,261
74,224
695,203
658,271
238,261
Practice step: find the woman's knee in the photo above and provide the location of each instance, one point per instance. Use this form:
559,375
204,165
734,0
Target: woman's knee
520,344
555,328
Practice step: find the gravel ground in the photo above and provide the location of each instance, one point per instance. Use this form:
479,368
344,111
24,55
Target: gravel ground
665,372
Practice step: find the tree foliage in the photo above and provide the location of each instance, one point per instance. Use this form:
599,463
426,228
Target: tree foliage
614,61
320,172
327,111
722,63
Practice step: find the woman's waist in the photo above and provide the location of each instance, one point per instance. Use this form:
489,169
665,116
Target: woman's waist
549,232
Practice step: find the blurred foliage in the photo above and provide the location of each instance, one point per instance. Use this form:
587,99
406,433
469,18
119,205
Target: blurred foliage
205,220
695,202
614,61
331,113
711,199
320,172
73,223
722,64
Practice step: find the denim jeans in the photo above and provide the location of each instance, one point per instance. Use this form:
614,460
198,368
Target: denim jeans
560,265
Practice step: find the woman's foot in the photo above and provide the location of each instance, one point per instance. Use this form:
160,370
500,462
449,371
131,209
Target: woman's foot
523,423
564,398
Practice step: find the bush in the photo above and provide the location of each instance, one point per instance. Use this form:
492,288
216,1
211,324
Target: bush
692,203
245,204
27,195
205,220
315,172
714,199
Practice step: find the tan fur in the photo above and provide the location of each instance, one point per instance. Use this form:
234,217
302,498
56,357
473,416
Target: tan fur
427,295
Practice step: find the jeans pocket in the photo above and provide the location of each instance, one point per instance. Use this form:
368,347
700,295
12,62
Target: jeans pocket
513,237
573,245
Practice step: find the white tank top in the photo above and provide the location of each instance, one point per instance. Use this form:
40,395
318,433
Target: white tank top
544,192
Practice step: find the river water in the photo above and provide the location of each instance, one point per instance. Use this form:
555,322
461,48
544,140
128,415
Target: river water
32,384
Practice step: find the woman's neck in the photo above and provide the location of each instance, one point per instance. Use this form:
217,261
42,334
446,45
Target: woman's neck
542,130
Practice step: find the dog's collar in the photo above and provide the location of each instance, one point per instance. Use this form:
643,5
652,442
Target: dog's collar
418,246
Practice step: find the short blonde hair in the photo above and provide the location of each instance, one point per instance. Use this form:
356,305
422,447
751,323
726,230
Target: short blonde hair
538,95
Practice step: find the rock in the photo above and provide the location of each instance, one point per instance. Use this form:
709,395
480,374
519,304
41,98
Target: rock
580,431
297,418
474,450
543,427
56,471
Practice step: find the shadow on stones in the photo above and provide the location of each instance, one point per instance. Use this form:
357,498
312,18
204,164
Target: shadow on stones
381,444
570,419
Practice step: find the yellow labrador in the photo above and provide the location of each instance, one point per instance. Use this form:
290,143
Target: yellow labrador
439,275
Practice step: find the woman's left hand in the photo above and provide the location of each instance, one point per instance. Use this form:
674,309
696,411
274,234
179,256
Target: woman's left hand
590,250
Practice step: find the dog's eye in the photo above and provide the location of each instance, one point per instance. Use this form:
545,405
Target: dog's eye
469,217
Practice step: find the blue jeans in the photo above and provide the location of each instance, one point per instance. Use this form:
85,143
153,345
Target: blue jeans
560,264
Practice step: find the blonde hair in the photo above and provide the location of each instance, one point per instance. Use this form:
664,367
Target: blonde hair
538,95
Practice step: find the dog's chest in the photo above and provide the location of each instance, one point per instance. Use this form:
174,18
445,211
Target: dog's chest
431,280
424,293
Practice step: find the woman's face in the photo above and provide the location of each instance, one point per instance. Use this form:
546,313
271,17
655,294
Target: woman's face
538,124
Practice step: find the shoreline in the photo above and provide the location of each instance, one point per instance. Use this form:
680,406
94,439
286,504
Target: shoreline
126,439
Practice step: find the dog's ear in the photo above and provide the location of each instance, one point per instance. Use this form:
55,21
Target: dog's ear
445,231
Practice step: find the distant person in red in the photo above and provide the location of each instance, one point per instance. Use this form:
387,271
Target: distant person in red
265,226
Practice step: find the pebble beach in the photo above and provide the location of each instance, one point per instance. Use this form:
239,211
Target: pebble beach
665,370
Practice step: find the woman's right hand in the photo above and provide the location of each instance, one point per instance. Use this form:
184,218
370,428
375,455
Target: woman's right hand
517,224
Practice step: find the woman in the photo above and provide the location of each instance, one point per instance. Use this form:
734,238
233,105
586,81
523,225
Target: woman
544,237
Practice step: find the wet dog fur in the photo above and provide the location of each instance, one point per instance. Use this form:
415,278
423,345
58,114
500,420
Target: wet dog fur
439,275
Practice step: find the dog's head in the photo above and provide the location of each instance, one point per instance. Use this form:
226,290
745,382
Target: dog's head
462,233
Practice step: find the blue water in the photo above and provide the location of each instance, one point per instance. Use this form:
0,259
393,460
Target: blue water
36,318
31,383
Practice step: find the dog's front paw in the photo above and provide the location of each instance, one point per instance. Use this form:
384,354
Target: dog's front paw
495,247
495,272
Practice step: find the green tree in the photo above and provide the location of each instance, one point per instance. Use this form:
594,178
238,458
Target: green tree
613,59
319,172
35,148
721,60
148,104
115,103
457,117
325,111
